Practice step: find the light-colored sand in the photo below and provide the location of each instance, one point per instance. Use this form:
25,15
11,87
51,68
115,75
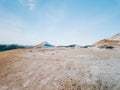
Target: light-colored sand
60,69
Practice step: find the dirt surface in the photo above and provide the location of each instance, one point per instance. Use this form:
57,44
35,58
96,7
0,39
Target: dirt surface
60,69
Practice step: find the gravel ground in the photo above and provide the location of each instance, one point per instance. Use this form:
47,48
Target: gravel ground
60,69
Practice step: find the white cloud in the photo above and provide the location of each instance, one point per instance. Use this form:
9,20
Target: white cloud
28,3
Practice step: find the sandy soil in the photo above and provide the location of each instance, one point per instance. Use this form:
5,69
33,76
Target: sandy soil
60,69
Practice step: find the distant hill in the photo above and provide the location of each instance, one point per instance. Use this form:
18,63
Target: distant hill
113,41
71,46
44,45
4,47
115,37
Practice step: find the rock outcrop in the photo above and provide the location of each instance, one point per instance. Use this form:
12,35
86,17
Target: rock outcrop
113,41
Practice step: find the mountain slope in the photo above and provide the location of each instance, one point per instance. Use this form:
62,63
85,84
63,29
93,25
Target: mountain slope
113,41
115,37
44,44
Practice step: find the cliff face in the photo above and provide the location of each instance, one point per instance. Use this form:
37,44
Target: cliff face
113,41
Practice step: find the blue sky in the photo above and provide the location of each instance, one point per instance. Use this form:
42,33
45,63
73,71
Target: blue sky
59,22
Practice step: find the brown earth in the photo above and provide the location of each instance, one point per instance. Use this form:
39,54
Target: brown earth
113,41
107,42
60,69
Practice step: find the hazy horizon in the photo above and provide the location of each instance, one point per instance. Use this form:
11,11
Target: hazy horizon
59,22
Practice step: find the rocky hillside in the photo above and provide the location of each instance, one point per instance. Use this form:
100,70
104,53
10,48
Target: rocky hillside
44,45
113,41
115,37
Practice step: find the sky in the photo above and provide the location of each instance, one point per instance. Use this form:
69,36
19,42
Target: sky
60,22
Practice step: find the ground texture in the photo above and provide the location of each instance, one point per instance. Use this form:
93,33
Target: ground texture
60,69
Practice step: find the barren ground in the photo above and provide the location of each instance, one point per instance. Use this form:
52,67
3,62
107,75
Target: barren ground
60,69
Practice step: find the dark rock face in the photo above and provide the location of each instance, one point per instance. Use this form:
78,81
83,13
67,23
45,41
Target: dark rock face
87,46
73,45
106,47
70,46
